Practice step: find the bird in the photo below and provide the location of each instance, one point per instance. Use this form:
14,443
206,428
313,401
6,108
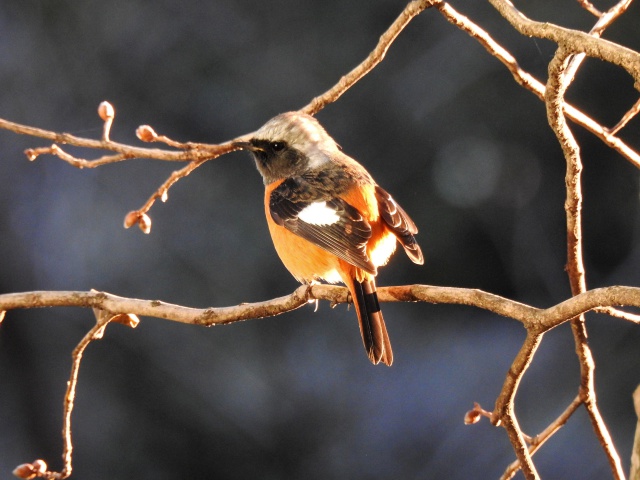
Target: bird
328,219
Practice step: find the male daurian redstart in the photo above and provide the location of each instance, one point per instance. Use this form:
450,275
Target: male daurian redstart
328,218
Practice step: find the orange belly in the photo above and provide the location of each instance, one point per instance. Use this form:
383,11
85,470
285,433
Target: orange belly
305,261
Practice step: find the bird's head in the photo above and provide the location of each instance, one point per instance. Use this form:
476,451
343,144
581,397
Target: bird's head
289,145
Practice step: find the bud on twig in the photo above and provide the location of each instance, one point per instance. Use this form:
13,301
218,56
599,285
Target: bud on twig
146,133
471,417
40,466
144,222
142,219
25,471
107,113
475,415
30,470
131,219
128,319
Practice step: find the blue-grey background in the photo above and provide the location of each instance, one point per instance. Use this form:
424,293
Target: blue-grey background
440,124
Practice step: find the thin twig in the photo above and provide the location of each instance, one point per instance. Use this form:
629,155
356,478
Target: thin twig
505,401
632,112
199,151
140,216
413,9
38,468
195,153
617,313
54,149
94,333
543,436
589,7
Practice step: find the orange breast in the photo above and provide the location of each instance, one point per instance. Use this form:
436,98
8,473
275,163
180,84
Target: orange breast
303,259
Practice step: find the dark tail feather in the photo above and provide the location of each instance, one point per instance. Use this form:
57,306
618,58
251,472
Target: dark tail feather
372,327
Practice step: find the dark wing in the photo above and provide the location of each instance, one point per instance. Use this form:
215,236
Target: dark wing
331,224
400,224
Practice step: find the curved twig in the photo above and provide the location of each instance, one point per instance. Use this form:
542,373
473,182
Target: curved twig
376,56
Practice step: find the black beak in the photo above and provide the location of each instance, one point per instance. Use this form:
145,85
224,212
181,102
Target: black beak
247,146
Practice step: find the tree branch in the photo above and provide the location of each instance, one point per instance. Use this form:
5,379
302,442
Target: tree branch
194,151
634,473
574,40
376,56
532,318
559,80
530,83
109,308
539,440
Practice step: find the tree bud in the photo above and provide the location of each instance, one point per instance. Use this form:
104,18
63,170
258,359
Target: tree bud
146,133
142,219
131,218
472,416
40,466
128,319
24,471
106,111
144,222
31,154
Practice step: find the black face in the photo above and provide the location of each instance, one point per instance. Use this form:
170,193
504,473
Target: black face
275,159
265,151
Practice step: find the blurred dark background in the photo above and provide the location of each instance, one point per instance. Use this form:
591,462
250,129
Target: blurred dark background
440,124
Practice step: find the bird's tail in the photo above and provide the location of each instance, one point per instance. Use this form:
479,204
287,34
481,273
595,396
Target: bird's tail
372,327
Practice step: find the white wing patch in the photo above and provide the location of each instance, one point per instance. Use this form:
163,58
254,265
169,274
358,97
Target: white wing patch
382,250
318,213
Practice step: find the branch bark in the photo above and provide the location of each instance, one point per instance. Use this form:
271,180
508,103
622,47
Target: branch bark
540,320
109,308
635,453
530,83
574,40
559,80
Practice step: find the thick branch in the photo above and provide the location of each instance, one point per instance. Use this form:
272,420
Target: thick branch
560,78
574,40
517,440
532,318
529,82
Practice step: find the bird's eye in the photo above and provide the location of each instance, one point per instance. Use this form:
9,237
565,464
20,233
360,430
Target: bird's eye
277,146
